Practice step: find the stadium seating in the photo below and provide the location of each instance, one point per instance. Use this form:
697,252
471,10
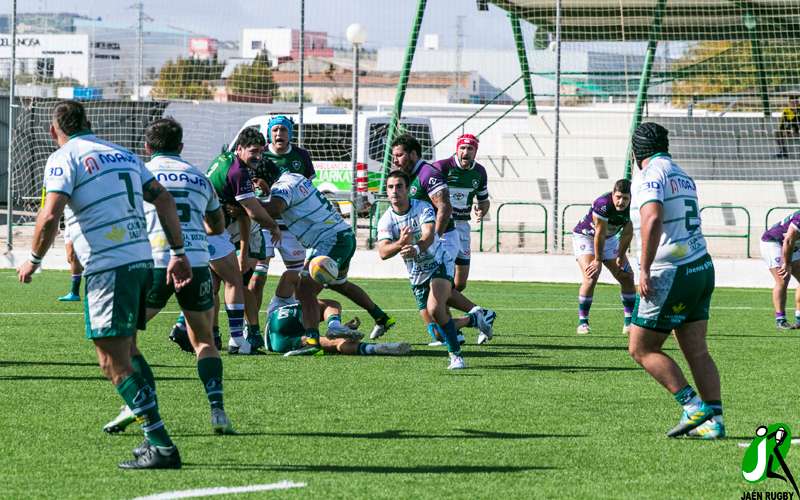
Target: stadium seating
732,158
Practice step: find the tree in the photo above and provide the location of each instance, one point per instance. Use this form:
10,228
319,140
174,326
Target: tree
186,79
252,82
713,69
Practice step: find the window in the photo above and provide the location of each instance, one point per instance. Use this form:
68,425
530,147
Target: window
44,67
256,45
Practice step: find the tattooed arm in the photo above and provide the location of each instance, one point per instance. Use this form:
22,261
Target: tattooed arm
167,213
179,271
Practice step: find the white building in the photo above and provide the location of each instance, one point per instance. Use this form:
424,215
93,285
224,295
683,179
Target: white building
48,56
276,41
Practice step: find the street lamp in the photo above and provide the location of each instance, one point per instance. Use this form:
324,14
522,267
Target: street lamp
356,35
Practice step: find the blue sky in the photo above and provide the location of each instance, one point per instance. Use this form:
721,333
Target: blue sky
388,22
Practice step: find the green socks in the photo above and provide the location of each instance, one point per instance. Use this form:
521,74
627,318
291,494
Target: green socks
141,399
210,372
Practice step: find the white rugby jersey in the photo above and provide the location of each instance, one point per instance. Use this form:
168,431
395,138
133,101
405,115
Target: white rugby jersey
104,212
421,267
309,216
194,196
664,182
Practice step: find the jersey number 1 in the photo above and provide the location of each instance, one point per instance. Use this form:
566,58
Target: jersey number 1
126,178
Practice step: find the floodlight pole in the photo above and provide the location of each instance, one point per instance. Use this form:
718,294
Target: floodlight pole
644,81
522,54
354,141
11,94
301,90
401,93
557,136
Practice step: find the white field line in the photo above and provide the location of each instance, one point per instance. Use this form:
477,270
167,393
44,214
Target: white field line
745,445
222,490
515,309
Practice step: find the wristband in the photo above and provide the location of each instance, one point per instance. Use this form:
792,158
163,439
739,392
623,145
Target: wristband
177,252
35,259
416,247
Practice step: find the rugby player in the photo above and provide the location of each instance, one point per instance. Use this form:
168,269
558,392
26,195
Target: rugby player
293,159
75,268
676,281
199,213
430,184
230,177
469,194
100,187
408,229
602,237
320,229
286,332
781,253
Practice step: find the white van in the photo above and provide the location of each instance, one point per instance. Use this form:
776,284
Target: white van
327,135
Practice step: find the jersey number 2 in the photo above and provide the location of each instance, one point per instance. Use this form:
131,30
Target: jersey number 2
692,218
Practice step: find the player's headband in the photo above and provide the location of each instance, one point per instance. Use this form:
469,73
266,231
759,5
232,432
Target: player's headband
279,120
467,139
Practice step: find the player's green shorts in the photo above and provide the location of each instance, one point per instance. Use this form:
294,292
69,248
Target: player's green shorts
681,295
114,300
285,329
340,248
422,291
198,295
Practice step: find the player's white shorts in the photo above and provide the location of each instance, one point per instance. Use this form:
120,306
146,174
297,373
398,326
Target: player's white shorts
451,242
256,243
464,240
583,244
772,253
220,246
291,250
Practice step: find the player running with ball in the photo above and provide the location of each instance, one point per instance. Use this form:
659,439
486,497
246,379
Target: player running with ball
408,229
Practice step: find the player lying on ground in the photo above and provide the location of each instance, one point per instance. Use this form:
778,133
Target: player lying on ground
429,184
781,252
408,229
601,238
199,213
286,332
676,281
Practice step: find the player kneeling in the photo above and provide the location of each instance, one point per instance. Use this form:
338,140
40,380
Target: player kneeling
407,228
286,333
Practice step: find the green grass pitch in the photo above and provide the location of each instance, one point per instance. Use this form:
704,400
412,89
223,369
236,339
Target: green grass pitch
539,413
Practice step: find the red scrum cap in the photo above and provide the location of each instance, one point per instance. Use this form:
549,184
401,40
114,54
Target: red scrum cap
467,139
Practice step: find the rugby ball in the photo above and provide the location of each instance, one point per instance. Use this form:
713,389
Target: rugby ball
323,269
